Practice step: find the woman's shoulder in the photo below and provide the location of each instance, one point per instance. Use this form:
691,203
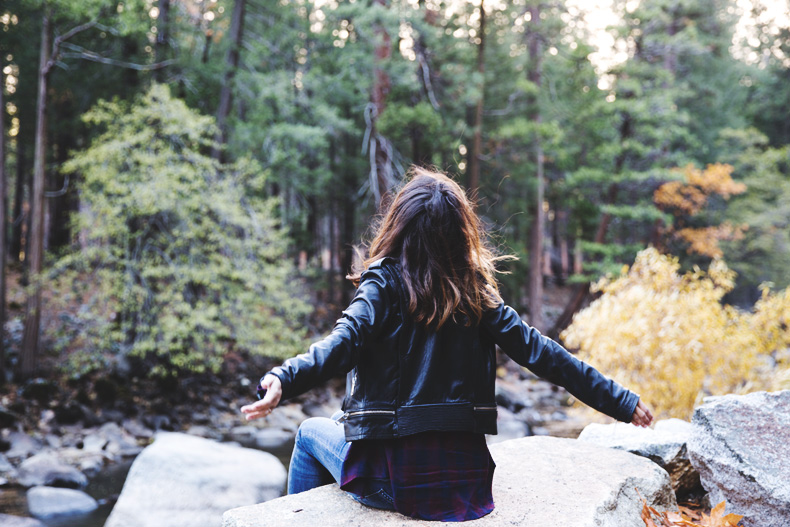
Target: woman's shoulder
387,269
382,263
384,271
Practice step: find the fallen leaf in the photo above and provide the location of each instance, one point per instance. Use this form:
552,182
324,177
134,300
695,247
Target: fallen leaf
718,519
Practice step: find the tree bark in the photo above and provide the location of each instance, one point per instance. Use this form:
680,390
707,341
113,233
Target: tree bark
59,204
19,192
3,225
535,74
473,180
35,240
162,38
381,164
232,64
583,290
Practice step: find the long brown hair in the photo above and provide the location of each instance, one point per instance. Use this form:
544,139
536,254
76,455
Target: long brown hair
431,228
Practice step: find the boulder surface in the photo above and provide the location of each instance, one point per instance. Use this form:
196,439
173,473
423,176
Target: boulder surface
538,481
51,503
739,446
8,520
46,469
187,481
666,444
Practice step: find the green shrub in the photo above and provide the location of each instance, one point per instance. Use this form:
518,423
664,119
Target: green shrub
181,258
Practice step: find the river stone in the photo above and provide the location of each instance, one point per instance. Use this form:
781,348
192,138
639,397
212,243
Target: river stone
46,469
7,520
7,470
118,441
187,481
48,503
244,435
739,445
508,427
665,445
137,429
22,445
538,481
273,439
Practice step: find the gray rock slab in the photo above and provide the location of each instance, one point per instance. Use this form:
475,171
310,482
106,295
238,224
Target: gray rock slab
739,445
117,441
272,439
8,520
538,481
46,469
48,503
137,429
187,481
22,445
666,445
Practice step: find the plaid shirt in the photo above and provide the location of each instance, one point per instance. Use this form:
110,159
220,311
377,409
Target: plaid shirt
433,475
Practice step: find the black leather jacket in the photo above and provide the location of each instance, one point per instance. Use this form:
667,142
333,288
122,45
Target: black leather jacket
404,378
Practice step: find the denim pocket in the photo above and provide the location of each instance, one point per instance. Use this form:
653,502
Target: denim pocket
378,500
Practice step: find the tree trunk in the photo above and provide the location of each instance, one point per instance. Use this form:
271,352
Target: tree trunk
350,185
59,202
583,290
381,164
19,192
473,180
35,246
3,214
535,74
232,64
162,38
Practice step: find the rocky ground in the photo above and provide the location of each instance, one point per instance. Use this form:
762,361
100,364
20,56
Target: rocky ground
69,433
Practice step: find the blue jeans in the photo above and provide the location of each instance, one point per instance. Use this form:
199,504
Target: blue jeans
319,452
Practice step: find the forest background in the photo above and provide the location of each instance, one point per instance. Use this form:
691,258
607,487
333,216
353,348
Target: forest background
185,181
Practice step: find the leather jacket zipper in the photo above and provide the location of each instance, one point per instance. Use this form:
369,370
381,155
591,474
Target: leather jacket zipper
365,412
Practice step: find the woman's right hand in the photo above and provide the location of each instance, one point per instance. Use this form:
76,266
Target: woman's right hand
642,416
262,408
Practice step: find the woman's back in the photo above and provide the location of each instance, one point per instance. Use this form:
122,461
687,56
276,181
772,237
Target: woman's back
418,342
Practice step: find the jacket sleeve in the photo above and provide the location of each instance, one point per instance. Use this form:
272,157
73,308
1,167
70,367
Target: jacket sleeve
336,354
549,360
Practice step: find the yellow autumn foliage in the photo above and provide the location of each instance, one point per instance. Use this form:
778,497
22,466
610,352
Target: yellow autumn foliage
705,240
669,337
691,194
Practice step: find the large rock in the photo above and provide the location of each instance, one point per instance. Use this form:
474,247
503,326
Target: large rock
22,445
50,503
8,520
739,446
666,445
46,469
538,481
187,481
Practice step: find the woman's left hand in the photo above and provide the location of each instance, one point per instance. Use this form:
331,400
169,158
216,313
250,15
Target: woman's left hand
262,408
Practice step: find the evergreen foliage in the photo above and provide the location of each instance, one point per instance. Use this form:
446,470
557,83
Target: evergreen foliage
303,127
182,257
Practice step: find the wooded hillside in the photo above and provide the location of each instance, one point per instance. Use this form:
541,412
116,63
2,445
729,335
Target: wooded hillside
184,179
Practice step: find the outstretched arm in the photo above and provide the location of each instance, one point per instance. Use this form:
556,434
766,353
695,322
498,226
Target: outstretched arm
336,353
549,360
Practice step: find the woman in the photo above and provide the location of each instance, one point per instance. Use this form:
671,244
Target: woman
418,343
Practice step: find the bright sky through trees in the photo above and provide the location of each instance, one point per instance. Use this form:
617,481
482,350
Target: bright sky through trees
600,14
